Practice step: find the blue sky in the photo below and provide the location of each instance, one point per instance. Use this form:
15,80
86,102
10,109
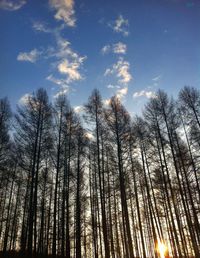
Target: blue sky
129,48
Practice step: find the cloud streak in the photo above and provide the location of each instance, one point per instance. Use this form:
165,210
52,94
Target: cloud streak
66,62
118,48
41,27
31,56
121,93
64,88
64,11
121,70
157,78
71,69
59,82
78,109
144,93
69,62
120,25
105,49
12,5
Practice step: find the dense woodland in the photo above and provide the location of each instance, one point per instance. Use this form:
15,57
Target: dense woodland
104,184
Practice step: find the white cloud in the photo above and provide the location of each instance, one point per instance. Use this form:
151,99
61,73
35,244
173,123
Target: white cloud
144,93
12,5
63,91
63,58
59,82
121,69
118,48
64,88
157,78
64,11
70,69
65,50
121,25
25,99
105,49
69,62
40,26
110,86
78,109
31,56
122,92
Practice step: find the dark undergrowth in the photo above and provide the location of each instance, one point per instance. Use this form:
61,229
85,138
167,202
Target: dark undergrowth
14,254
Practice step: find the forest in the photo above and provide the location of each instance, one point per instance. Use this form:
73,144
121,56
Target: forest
100,183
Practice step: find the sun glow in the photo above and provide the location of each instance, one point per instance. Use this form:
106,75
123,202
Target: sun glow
161,249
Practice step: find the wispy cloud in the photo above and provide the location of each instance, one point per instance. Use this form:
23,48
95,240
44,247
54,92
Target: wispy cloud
64,50
59,82
64,11
71,69
157,78
78,109
12,5
118,48
144,93
120,25
41,27
105,49
65,62
121,93
121,70
111,86
64,88
31,56
68,63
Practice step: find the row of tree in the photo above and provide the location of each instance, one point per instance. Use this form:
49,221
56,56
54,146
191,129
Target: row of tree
116,187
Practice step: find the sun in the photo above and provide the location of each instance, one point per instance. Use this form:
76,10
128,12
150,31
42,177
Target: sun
161,249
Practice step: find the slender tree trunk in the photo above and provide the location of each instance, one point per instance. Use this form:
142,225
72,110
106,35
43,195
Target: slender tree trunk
56,185
78,205
7,226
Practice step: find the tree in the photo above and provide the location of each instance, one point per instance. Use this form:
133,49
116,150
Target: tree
110,186
33,124
94,110
118,121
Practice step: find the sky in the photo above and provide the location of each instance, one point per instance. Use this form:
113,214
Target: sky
128,48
